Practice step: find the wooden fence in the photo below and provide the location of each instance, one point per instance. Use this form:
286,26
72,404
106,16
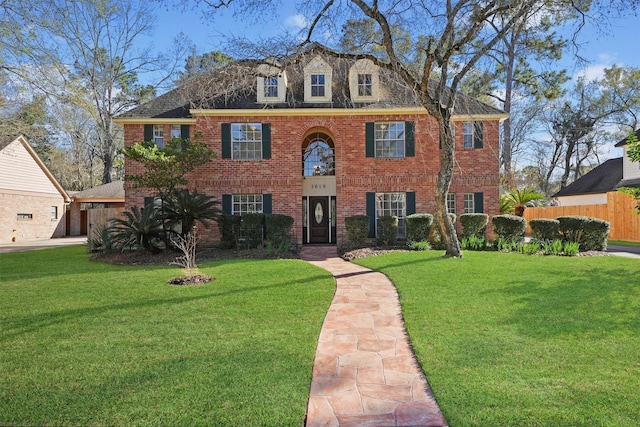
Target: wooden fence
624,223
99,217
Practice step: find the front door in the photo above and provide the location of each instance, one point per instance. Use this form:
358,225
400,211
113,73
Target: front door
319,219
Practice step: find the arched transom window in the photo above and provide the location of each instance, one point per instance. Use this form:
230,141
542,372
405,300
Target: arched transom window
318,155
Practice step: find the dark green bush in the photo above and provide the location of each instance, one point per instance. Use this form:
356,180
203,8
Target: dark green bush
357,229
253,229
387,230
595,233
509,227
418,227
474,224
278,228
229,226
544,229
571,227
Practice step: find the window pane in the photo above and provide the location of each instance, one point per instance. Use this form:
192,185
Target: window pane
176,131
389,139
365,86
468,135
392,204
246,141
468,203
246,203
158,135
318,159
317,85
271,87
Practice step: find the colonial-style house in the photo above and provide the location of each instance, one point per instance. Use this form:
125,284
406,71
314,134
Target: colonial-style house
320,137
32,202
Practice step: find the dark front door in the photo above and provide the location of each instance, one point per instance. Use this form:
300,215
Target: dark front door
319,219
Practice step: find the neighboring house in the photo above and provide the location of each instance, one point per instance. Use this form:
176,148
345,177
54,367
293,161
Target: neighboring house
320,138
32,202
104,196
592,188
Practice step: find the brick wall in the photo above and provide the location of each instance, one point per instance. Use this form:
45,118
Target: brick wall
476,170
40,226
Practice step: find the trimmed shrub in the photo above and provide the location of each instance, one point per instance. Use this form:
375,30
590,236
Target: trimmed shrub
229,226
387,230
418,227
595,232
544,229
357,229
253,229
509,227
474,224
571,227
434,237
278,228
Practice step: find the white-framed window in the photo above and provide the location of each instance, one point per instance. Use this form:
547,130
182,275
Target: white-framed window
54,212
392,204
451,203
25,216
271,87
318,85
467,135
389,139
364,80
469,204
158,135
176,131
365,85
246,203
246,141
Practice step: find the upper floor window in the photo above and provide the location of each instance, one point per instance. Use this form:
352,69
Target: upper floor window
389,140
317,81
364,81
317,85
246,140
473,134
318,157
271,87
158,135
365,85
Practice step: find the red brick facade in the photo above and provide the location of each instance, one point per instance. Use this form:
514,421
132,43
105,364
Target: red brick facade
476,169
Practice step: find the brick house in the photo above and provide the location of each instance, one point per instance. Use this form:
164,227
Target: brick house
32,202
320,137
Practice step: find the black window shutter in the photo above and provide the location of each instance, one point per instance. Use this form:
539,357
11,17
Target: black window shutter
478,202
369,138
148,132
266,141
226,140
371,213
227,200
267,201
409,139
478,129
184,131
410,208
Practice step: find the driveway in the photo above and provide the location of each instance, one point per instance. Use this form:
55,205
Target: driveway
42,244
626,251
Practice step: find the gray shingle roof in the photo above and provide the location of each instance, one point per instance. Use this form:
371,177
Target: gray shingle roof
112,190
234,87
601,179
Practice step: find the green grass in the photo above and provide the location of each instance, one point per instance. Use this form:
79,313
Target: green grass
623,243
516,340
85,343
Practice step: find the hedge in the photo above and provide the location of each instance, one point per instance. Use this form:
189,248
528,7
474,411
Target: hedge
474,224
387,230
509,227
229,226
418,227
357,229
545,229
278,228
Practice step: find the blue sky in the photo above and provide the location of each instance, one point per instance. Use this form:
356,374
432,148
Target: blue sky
619,45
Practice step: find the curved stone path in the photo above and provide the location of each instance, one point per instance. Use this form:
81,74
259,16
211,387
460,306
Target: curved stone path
365,373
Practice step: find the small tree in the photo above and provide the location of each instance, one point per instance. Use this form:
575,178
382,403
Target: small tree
517,200
633,152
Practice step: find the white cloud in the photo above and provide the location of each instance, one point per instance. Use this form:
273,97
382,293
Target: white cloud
296,21
592,72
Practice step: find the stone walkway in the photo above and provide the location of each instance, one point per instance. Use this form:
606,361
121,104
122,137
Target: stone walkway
365,373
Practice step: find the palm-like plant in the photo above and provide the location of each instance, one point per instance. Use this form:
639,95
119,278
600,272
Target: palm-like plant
515,200
186,208
141,228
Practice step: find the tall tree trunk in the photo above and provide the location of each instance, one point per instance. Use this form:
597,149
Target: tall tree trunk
507,148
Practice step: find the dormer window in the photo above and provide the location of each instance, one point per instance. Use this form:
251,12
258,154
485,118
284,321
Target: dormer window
317,85
364,81
317,81
272,84
365,85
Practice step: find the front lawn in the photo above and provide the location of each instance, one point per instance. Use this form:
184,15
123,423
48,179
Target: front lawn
85,343
517,340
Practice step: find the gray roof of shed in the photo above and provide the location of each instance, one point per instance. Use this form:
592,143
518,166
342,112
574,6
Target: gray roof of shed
601,179
112,190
